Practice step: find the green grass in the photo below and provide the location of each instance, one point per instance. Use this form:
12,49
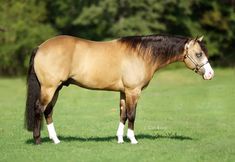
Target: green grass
180,117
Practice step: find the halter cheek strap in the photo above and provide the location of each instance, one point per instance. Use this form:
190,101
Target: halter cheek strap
197,66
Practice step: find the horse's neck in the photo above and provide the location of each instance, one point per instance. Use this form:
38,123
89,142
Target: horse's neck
161,63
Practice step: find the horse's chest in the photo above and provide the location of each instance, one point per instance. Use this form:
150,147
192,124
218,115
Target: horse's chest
135,73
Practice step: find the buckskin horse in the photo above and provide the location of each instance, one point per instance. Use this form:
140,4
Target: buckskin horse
125,65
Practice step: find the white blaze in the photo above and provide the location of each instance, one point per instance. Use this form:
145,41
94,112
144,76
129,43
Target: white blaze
209,72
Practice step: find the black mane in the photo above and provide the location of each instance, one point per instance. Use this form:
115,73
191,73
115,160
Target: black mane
161,46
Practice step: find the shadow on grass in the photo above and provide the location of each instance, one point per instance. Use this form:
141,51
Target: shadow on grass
112,138
165,136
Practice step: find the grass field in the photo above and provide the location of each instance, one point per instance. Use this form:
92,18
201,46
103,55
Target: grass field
180,117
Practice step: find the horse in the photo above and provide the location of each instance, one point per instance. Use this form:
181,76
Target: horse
124,65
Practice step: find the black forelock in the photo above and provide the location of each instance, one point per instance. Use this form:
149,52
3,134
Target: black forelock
203,47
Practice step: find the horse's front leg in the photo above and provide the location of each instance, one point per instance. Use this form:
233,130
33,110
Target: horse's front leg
123,118
131,103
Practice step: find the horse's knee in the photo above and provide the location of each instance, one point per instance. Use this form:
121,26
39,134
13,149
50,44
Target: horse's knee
131,115
123,118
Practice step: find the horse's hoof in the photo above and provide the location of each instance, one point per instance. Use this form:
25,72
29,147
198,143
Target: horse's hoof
120,139
134,142
120,142
56,140
37,141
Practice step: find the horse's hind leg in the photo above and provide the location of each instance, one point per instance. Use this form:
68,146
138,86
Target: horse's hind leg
46,96
37,122
48,116
123,118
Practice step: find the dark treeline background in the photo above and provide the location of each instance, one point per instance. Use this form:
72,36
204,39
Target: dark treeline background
24,24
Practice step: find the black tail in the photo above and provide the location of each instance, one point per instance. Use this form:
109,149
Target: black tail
33,93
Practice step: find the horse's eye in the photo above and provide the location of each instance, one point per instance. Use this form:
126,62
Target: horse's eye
199,55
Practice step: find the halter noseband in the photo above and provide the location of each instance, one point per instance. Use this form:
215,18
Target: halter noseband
197,66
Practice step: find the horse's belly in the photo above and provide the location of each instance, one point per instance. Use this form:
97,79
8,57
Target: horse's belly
105,78
101,83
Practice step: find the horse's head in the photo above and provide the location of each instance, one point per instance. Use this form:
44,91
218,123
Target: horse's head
195,58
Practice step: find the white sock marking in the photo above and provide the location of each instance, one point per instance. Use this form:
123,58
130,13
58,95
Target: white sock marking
120,132
131,136
52,133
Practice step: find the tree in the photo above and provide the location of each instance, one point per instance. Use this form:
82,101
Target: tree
23,27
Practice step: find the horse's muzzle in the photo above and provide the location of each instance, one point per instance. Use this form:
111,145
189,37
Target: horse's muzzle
208,72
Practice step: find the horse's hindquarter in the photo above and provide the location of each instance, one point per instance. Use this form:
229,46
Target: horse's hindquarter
53,59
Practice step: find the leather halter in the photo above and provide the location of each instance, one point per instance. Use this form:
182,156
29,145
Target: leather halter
197,65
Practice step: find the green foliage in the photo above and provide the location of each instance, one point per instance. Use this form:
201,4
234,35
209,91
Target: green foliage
112,19
218,23
23,29
24,24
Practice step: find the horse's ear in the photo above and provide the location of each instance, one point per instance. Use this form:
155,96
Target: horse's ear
200,38
187,46
195,40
